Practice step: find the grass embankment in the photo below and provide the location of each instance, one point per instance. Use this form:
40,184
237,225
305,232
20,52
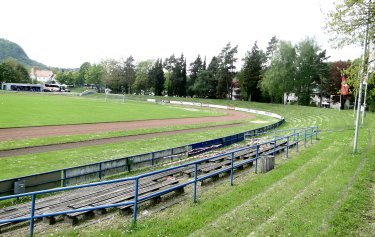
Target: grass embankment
323,190
26,109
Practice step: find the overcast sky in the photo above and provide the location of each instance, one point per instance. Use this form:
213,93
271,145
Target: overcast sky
66,33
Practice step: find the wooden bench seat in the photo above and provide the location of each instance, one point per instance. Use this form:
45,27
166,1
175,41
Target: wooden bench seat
145,190
127,209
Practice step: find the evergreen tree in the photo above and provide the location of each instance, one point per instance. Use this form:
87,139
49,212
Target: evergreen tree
129,74
252,71
226,71
271,48
176,81
195,67
156,76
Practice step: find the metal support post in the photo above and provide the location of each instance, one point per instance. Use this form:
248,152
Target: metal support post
231,168
135,200
100,170
195,181
32,213
256,159
297,141
287,147
64,177
274,147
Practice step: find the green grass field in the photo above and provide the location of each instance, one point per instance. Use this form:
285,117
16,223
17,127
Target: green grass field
21,110
324,190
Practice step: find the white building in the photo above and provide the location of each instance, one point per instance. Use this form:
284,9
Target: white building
41,75
291,98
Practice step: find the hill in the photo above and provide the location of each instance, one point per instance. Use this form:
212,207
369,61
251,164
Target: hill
10,49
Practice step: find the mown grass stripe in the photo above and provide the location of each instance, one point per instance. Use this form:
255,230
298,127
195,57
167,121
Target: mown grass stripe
253,214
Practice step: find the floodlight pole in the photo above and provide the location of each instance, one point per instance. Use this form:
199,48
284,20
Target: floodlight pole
355,101
364,70
364,98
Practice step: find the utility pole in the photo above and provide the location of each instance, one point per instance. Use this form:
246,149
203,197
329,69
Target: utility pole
364,70
366,77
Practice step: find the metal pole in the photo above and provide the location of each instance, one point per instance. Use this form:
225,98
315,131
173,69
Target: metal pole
100,170
256,159
364,70
135,200
64,177
32,212
355,102
287,147
231,168
364,98
195,181
297,141
274,147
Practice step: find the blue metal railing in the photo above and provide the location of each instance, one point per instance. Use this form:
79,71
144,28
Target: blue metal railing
290,141
99,172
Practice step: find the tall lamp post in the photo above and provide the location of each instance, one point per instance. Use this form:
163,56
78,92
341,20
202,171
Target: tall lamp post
364,71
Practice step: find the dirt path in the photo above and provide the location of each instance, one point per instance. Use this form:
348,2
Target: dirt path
57,147
61,130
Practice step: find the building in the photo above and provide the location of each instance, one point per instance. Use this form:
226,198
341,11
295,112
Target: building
41,75
291,98
21,87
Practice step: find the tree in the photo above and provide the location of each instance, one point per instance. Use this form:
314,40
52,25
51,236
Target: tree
142,76
12,71
202,85
271,48
176,77
95,75
80,80
156,76
331,83
195,67
251,74
66,77
310,68
114,75
280,76
213,70
226,71
129,73
347,23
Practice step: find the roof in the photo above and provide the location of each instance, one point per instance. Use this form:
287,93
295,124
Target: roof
41,73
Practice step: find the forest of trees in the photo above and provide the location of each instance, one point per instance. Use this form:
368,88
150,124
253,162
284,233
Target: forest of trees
264,77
